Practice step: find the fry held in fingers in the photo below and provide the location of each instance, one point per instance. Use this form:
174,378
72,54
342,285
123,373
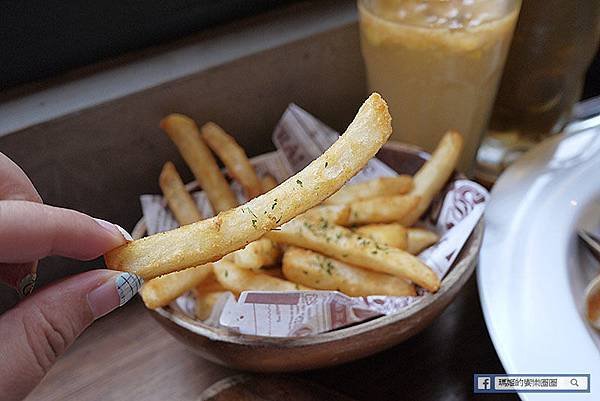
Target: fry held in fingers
383,209
431,178
384,186
234,157
163,290
178,198
419,239
323,273
257,254
237,280
209,240
184,132
342,244
393,234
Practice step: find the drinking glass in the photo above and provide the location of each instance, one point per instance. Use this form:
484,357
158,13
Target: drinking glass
437,63
553,46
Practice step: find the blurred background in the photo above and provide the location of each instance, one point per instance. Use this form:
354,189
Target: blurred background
43,39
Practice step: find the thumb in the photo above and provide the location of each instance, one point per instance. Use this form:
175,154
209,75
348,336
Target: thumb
39,329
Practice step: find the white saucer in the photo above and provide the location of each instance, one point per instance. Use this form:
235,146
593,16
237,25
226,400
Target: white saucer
533,271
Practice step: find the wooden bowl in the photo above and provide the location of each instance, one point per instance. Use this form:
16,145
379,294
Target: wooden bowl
262,354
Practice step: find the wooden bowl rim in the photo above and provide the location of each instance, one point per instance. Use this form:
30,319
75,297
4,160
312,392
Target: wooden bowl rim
462,266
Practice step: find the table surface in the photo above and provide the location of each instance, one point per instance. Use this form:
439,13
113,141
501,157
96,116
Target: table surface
127,355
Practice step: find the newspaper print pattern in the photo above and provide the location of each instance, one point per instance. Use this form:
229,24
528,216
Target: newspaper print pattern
303,313
461,209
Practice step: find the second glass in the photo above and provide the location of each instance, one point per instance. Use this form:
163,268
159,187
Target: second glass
437,64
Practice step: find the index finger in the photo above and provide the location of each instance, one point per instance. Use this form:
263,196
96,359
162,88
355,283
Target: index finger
30,231
14,183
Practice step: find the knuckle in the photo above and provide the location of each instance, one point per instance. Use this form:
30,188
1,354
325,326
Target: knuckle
46,338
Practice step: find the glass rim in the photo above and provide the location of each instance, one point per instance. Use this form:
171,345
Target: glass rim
364,6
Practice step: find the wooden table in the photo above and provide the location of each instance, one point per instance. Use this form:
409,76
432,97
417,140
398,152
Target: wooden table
128,356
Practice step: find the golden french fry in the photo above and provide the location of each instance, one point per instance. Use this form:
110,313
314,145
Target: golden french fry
419,239
205,302
183,131
268,182
335,214
237,280
342,244
324,273
209,240
383,209
384,186
233,157
178,198
262,252
431,178
392,234
209,284
162,290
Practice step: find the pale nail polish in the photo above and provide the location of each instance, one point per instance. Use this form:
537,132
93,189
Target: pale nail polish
114,292
124,233
112,228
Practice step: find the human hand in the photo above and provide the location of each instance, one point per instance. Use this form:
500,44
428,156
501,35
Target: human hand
41,327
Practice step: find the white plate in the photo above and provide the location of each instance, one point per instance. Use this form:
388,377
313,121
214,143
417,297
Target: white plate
533,270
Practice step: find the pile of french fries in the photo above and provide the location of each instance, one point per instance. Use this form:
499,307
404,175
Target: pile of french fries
359,240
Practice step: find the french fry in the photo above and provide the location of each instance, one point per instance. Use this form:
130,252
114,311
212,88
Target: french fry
205,303
342,244
178,198
268,182
163,290
234,157
208,292
384,186
419,239
431,178
323,273
262,252
383,209
392,234
209,284
335,214
183,131
236,280
209,240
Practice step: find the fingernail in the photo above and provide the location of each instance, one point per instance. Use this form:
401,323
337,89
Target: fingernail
124,233
114,292
114,229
